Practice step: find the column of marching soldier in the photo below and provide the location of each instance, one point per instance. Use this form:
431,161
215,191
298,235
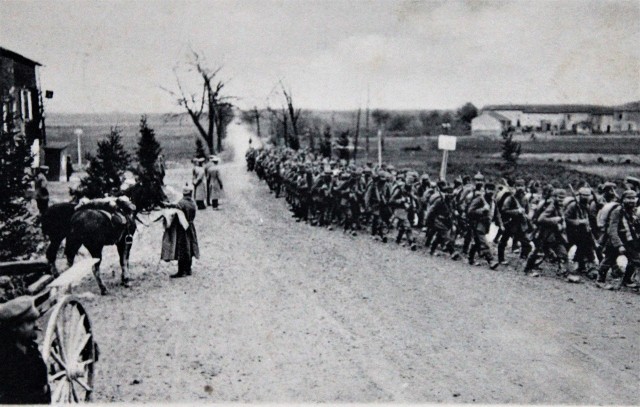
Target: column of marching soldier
542,221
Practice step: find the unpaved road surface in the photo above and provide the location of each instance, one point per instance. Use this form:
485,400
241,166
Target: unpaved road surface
279,311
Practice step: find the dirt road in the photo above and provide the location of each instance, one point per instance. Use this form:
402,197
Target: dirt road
279,311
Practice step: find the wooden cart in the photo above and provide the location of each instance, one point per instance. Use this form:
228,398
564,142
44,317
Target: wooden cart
69,349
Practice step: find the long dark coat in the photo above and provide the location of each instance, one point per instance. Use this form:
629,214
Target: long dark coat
187,240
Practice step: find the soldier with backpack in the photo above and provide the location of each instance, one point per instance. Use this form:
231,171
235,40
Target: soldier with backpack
621,234
551,237
513,208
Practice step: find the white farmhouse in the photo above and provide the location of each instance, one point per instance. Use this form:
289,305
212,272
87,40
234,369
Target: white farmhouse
577,119
489,124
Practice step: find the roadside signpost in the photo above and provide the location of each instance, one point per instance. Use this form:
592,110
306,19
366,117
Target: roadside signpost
446,144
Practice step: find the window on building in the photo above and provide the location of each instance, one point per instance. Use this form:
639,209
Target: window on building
26,106
5,116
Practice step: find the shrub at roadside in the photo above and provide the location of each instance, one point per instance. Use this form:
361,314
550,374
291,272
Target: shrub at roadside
106,169
147,193
17,232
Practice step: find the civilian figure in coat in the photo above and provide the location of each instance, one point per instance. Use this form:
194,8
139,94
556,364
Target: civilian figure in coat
186,239
214,183
23,373
199,183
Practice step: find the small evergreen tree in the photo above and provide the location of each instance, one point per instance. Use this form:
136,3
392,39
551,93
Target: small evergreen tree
16,228
147,193
200,153
106,169
510,149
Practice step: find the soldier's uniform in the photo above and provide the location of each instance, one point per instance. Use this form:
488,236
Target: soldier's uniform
401,202
621,237
479,215
376,198
579,233
513,210
551,229
440,217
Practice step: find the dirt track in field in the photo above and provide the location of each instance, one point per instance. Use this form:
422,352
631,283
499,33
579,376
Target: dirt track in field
279,311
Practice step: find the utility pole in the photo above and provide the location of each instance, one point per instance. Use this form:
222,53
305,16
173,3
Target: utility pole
366,127
355,143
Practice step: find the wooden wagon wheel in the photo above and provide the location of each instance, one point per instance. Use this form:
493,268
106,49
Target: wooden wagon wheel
69,352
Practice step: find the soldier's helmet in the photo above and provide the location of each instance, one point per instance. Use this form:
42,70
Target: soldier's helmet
478,177
559,194
584,191
629,196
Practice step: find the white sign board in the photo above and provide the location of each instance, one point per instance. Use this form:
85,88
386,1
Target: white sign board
446,142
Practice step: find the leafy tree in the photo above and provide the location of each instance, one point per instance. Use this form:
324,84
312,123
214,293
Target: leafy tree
106,169
467,112
16,229
147,193
510,149
380,117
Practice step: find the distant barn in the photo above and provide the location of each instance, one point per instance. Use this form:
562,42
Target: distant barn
576,119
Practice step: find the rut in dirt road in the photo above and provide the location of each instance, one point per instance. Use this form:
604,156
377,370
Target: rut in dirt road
279,311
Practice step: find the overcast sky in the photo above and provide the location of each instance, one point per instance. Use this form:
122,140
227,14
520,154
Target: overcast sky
116,55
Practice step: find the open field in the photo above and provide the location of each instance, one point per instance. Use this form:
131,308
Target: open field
540,157
177,135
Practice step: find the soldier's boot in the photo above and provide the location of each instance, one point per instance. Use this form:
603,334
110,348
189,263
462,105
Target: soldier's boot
501,248
626,280
472,256
531,262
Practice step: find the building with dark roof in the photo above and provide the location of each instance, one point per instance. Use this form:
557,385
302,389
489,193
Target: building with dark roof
20,98
577,119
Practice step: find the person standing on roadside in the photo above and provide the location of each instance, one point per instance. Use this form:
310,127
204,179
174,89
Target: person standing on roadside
69,168
42,193
186,239
214,183
199,183
23,373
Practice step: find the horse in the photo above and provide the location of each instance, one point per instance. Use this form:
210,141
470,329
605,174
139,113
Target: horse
56,224
95,228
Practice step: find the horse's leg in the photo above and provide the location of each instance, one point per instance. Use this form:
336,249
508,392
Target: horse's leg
96,253
71,249
123,251
52,252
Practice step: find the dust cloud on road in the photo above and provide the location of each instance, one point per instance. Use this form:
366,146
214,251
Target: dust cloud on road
279,311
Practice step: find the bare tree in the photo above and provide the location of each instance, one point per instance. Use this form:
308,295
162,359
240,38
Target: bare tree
208,108
294,115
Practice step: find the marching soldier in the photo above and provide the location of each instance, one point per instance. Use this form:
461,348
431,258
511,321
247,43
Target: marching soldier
441,218
513,209
551,239
576,214
479,215
376,199
621,237
401,203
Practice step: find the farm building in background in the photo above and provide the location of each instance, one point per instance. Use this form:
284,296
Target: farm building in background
20,99
489,123
562,119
